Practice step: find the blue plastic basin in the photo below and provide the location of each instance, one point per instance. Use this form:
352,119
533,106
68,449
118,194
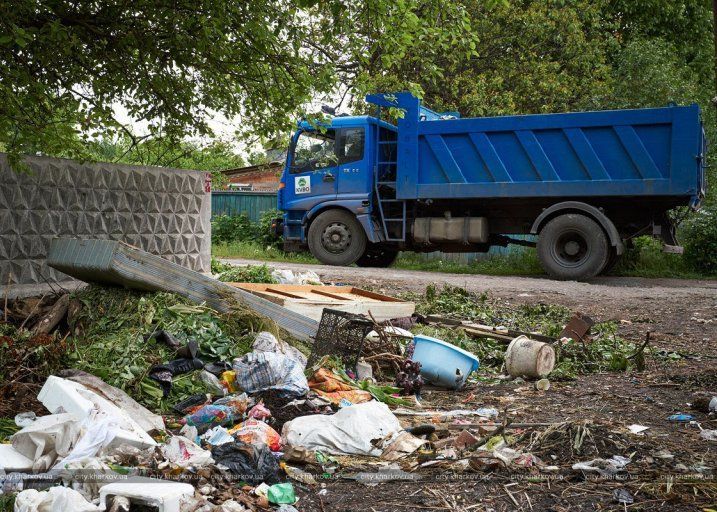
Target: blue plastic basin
443,364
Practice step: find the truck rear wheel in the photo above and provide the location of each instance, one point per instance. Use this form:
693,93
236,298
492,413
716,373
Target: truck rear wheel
612,260
376,256
336,238
573,247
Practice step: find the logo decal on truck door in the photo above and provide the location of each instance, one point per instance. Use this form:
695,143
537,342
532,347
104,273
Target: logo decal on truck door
302,185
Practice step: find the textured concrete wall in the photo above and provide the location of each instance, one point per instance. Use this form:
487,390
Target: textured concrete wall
163,211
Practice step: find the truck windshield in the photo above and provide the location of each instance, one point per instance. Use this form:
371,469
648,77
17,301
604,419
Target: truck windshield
314,150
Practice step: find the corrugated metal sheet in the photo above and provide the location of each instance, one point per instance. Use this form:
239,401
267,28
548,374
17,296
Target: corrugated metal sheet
236,203
111,262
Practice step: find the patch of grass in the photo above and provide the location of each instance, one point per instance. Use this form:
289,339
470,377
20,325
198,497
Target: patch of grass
7,428
646,259
523,263
7,502
255,251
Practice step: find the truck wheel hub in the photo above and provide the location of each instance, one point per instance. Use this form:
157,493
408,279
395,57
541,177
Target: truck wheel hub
336,238
571,249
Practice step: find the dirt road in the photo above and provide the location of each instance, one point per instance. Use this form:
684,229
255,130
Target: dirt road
618,288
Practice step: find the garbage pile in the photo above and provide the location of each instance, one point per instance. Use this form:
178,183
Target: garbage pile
247,421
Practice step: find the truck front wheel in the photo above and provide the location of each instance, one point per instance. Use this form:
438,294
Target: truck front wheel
573,247
336,238
376,256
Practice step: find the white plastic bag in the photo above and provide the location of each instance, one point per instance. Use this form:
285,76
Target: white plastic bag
285,276
349,431
55,499
183,452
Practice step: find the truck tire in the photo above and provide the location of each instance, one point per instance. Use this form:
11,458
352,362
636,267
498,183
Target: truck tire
336,238
612,260
573,247
377,256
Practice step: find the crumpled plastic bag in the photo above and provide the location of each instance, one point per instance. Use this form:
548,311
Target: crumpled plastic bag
267,342
55,499
335,389
605,467
261,371
184,453
257,432
99,474
285,276
253,464
352,430
47,438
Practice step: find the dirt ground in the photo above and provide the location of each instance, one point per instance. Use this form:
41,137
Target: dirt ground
672,466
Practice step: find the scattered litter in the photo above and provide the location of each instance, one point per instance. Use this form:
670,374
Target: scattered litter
47,438
409,378
25,419
352,430
259,412
705,404
577,327
605,467
708,435
267,342
299,475
12,460
486,412
90,407
55,499
254,464
184,452
637,429
525,357
214,385
443,364
681,418
257,432
217,436
280,494
542,385
166,496
285,276
146,419
623,496
332,387
261,371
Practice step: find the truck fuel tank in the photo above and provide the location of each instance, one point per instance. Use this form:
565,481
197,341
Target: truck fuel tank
436,230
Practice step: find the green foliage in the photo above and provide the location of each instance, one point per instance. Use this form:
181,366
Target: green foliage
253,251
248,274
111,344
239,228
65,70
700,241
7,502
230,228
7,428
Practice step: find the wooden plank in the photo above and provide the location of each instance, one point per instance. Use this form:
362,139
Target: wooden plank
332,295
286,294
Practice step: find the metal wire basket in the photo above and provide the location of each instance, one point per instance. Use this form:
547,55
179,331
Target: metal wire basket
340,334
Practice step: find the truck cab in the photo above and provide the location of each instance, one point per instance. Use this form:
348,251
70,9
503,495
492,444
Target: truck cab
331,166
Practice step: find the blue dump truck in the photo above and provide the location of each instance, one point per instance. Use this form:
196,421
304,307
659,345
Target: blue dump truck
359,189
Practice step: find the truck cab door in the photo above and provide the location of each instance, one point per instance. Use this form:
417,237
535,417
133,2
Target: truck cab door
355,175
312,170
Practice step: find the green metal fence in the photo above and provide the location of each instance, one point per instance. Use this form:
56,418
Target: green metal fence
235,203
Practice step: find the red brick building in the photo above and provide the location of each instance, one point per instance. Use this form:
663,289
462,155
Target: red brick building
262,177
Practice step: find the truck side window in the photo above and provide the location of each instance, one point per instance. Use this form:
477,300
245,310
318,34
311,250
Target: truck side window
350,145
314,150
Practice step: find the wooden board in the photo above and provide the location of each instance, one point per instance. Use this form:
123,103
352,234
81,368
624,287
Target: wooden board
310,300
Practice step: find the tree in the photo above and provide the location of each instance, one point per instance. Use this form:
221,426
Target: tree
66,65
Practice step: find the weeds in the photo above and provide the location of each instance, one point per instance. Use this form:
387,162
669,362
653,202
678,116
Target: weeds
248,274
111,346
606,351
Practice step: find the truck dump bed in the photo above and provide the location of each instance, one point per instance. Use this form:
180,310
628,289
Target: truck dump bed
645,152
